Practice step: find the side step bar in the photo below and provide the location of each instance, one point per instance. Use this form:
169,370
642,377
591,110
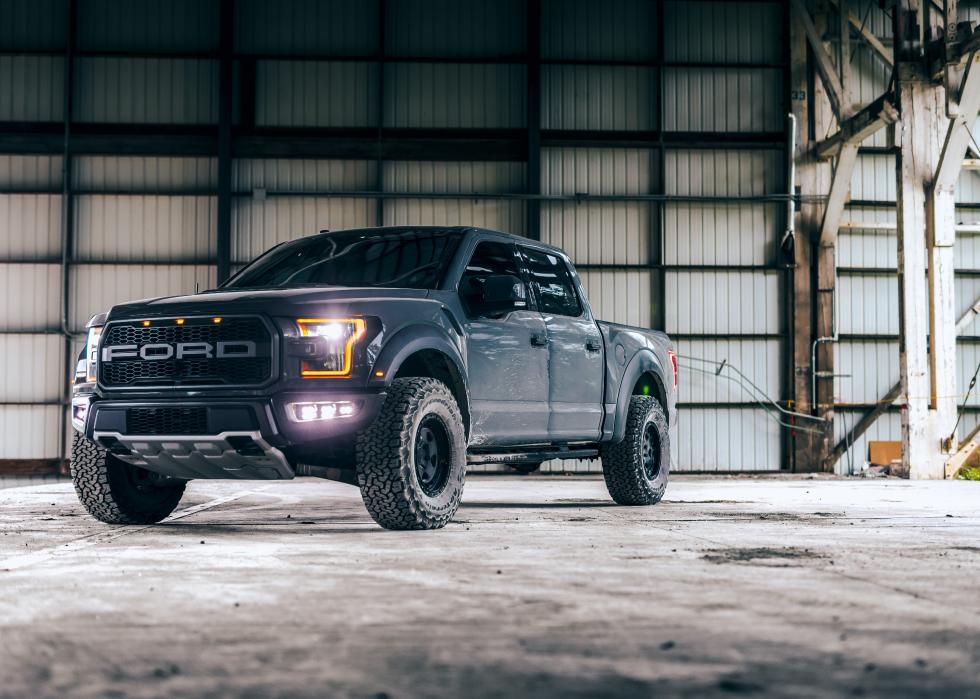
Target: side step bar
523,457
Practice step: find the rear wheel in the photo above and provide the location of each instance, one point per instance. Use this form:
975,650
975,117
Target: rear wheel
411,463
636,468
117,493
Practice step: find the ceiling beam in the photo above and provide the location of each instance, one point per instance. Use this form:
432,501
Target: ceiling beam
866,122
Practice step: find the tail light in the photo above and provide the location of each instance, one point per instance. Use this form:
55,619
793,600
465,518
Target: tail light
673,365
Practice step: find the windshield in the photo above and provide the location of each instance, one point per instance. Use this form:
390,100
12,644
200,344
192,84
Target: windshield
395,258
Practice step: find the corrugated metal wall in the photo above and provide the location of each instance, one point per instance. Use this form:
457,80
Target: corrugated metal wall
639,101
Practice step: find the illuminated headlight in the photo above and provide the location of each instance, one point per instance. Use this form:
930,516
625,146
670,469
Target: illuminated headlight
92,352
327,410
335,356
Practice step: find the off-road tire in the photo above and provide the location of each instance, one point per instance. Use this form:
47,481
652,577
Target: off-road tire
623,465
117,493
386,457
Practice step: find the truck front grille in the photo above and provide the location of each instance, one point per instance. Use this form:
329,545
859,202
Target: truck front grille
164,421
189,370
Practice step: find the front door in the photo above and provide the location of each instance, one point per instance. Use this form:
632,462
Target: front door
507,354
575,347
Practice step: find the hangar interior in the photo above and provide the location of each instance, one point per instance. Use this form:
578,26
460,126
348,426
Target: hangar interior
151,148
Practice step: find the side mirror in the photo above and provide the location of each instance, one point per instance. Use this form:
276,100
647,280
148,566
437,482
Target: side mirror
503,292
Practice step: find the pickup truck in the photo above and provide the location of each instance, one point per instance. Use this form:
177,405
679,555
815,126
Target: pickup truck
387,358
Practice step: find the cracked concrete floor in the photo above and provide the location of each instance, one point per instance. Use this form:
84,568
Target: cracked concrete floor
758,587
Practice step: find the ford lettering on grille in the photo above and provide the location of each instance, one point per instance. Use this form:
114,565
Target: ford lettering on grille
198,352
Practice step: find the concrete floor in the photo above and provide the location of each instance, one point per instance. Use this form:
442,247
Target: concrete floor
778,587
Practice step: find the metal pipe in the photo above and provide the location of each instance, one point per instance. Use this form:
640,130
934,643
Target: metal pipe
790,234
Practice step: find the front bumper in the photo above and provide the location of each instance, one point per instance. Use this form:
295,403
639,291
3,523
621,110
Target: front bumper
230,437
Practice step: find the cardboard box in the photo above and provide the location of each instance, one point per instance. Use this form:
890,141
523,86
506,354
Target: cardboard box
883,453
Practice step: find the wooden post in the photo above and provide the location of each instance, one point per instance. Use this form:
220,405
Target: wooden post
929,401
813,115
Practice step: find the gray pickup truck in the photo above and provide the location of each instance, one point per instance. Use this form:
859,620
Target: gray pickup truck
389,358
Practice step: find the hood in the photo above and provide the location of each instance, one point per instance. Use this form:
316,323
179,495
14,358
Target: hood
300,300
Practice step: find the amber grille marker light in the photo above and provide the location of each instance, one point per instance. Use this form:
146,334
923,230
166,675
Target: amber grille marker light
359,326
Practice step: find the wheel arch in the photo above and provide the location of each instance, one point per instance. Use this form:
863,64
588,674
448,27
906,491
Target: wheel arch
425,351
643,376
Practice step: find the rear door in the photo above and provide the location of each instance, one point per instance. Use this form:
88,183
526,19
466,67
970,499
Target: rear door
507,356
575,349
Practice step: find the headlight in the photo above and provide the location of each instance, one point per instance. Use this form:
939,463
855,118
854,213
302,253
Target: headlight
336,355
92,352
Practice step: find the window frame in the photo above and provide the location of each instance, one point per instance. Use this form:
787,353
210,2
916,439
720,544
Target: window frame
528,280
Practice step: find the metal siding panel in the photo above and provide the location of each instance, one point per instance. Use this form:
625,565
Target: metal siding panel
867,370
30,297
599,232
306,27
311,93
30,431
30,227
122,173
722,302
723,32
867,305
287,175
471,95
31,88
700,99
146,90
453,177
36,26
114,228
30,172
455,28
257,224
96,288
706,173
874,178
744,439
759,360
34,368
598,171
868,247
147,26
619,296
721,234
496,214
587,30
616,98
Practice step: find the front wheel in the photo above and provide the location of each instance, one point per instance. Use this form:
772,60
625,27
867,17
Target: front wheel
117,493
636,468
411,463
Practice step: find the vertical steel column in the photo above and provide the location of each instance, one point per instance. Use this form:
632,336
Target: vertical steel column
658,276
226,75
533,97
67,221
379,206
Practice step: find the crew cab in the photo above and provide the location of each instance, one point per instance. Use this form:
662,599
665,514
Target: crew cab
389,358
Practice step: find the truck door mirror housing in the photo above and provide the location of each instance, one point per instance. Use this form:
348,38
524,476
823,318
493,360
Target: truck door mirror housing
502,293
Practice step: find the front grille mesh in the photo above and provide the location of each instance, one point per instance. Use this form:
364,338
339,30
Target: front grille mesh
236,371
164,421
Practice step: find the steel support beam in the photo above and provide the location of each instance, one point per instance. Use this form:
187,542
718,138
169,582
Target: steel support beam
533,173
225,122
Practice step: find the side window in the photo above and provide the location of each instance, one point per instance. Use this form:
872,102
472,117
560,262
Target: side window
552,283
489,258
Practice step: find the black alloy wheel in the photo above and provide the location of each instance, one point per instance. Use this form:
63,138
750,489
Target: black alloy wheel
650,452
432,455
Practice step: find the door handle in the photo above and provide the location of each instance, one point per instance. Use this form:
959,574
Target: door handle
592,345
538,340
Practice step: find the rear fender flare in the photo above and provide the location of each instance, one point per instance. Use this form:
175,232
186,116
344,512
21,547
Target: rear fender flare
644,361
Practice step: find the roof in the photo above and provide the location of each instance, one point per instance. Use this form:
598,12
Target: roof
463,230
